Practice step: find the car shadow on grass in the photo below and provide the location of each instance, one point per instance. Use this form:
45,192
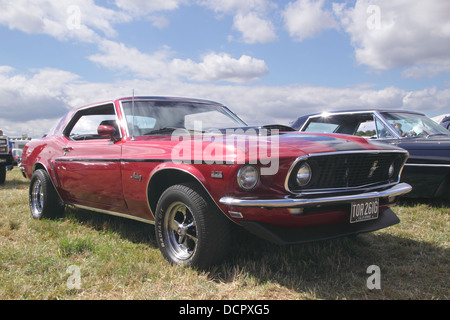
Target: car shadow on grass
332,269
433,203
134,231
15,184
342,268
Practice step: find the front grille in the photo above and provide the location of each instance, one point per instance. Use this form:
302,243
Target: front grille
349,170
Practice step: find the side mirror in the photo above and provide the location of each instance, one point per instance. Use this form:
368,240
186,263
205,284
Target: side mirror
107,131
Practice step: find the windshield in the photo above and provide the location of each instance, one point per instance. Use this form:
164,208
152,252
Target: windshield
162,117
414,125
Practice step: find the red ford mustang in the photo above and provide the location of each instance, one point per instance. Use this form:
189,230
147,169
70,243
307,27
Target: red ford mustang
193,169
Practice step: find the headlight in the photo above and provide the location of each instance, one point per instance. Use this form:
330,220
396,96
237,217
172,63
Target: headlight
304,175
248,177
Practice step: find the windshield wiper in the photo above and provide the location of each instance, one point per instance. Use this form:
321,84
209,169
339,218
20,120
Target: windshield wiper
161,130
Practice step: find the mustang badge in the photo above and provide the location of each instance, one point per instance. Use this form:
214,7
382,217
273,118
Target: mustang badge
372,169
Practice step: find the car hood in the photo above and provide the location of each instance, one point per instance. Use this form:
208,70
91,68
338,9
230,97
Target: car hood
296,144
254,143
431,150
320,143
426,143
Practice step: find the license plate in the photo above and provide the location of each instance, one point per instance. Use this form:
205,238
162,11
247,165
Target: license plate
2,160
364,210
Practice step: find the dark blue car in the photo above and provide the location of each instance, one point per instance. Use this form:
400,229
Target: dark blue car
428,167
446,122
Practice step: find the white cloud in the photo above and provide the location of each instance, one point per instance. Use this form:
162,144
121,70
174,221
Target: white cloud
31,103
254,29
426,70
151,10
306,18
159,21
237,6
119,57
63,19
144,7
250,18
221,67
161,65
388,34
29,100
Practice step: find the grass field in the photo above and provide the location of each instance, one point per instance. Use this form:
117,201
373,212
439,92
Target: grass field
87,255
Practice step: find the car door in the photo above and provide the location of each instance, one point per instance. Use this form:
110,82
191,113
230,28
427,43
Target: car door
89,165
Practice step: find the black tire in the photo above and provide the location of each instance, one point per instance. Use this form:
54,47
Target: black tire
43,199
2,174
190,229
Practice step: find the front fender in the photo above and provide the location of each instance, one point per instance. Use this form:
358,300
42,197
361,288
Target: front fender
167,174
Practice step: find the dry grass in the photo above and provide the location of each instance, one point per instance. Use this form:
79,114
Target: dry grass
119,259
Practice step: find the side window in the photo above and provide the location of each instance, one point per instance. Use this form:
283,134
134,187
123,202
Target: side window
87,122
367,129
321,127
382,131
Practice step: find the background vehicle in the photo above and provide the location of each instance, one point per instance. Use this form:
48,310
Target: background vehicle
17,156
6,158
428,167
446,123
194,169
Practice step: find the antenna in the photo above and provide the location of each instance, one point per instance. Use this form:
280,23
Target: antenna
132,111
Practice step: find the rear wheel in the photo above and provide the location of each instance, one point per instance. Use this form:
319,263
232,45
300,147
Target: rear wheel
43,199
190,230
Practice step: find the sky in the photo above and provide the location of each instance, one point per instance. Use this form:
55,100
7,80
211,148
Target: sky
268,61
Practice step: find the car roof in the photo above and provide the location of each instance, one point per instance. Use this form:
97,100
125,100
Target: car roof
362,111
298,123
154,98
165,98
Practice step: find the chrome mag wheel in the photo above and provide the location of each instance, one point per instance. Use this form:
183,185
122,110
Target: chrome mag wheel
43,199
181,231
190,230
37,199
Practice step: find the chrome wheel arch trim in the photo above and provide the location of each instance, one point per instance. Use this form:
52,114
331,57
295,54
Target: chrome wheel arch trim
51,175
157,170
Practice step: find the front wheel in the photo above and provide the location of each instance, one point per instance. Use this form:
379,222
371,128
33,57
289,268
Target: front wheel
189,228
44,201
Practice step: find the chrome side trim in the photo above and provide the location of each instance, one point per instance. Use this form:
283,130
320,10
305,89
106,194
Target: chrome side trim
431,165
288,202
112,213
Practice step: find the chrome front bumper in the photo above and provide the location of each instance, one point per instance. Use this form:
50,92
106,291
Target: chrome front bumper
289,202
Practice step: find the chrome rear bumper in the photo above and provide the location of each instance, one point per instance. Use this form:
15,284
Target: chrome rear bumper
289,202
